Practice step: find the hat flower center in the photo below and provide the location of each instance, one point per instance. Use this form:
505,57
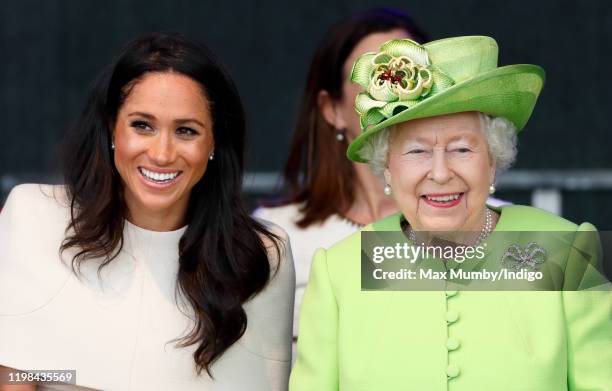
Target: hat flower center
396,78
399,79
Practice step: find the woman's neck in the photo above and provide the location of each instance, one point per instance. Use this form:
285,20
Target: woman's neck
156,222
162,220
370,203
473,235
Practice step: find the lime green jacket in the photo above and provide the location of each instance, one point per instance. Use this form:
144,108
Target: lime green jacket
352,340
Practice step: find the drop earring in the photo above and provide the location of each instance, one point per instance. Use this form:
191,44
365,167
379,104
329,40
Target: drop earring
387,190
340,134
492,189
212,155
112,145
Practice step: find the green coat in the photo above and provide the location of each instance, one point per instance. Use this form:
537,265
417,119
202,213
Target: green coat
427,341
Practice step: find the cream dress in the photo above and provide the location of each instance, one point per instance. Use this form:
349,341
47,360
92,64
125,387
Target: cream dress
117,329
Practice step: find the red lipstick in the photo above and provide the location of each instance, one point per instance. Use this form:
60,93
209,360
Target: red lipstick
442,204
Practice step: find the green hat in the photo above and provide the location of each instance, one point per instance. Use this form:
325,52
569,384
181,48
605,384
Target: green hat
406,81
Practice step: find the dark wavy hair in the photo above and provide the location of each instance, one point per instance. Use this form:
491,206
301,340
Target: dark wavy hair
222,257
317,172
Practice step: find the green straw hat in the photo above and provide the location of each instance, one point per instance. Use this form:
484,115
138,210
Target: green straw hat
406,81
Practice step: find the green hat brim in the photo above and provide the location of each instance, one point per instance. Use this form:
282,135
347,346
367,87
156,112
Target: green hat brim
510,92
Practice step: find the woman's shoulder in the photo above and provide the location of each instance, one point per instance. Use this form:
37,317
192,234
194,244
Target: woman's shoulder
281,215
32,226
274,229
342,260
31,199
36,211
351,244
278,247
528,218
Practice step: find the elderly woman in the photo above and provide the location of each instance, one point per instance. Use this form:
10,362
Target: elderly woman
441,119
144,271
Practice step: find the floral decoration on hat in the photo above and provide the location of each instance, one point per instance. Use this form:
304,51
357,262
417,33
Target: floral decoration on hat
396,78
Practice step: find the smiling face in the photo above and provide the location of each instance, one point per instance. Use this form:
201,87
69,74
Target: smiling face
440,170
163,138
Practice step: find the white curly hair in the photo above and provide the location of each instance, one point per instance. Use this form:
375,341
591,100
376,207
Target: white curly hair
499,132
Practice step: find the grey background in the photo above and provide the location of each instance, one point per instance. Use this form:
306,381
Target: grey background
51,50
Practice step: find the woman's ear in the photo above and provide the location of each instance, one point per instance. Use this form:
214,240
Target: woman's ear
329,109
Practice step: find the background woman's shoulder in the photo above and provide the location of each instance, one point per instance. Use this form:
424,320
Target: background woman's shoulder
283,215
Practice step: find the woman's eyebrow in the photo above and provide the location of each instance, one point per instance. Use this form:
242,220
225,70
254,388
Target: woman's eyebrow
181,121
417,139
141,114
467,136
178,121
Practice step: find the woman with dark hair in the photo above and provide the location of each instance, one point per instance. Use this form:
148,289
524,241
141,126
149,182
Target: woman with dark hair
329,196
145,271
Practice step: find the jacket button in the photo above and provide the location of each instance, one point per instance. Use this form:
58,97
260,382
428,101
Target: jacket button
451,293
452,316
452,371
452,343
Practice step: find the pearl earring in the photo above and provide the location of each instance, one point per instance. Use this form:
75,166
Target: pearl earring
387,190
492,189
212,155
340,134
113,145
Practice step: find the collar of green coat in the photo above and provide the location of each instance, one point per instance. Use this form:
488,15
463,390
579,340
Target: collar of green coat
511,218
393,222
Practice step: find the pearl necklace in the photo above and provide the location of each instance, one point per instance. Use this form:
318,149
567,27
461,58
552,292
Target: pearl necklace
486,229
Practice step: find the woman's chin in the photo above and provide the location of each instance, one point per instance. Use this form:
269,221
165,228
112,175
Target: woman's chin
155,203
441,224
144,200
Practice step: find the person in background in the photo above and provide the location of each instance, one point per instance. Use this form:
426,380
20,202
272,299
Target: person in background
329,196
145,271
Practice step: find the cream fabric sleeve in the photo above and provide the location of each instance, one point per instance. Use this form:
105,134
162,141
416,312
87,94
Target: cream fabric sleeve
31,230
270,314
